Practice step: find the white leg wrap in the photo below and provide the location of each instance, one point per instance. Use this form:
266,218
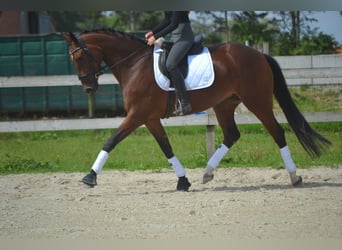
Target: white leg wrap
177,166
286,155
100,161
217,156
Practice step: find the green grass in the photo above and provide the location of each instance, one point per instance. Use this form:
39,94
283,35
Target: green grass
70,151
316,98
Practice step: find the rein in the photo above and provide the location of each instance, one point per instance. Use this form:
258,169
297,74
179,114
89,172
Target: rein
102,68
106,67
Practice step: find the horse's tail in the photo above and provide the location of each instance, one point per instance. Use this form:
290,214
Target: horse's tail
312,141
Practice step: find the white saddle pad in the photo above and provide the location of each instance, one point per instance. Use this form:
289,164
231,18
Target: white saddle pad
200,75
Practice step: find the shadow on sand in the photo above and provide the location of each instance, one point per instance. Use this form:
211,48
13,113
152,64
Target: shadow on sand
252,188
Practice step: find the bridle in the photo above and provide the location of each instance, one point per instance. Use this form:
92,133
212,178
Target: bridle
96,74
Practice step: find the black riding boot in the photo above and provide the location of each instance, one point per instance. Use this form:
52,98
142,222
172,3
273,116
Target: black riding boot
178,80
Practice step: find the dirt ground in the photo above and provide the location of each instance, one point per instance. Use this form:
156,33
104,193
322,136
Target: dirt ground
237,204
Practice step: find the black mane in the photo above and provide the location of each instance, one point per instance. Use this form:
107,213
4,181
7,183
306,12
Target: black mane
115,33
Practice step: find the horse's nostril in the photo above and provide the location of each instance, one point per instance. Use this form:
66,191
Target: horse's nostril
88,90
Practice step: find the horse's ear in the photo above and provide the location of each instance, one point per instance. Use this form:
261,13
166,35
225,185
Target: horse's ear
70,37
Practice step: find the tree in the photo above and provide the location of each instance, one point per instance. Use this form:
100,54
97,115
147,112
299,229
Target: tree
220,21
248,25
254,27
287,32
209,24
122,20
131,21
92,20
298,38
293,25
150,19
65,21
316,44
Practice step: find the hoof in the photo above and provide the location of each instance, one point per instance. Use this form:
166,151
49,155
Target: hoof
90,179
207,177
183,184
298,182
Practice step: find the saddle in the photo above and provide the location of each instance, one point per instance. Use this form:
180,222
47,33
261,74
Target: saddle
195,49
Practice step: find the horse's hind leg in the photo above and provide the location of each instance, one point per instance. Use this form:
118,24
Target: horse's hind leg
265,114
157,130
225,117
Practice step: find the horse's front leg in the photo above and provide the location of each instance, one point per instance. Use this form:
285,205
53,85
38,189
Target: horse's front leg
157,130
121,133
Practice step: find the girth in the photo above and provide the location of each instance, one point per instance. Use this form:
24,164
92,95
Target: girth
195,49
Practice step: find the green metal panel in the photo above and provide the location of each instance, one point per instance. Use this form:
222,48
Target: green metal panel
12,100
79,100
57,65
139,34
104,97
118,96
10,56
9,47
32,47
46,55
35,99
59,98
10,66
33,65
56,47
108,97
34,55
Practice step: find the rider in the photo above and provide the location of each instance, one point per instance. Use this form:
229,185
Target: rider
178,24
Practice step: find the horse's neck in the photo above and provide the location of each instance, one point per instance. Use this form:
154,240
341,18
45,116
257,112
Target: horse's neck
120,53
119,48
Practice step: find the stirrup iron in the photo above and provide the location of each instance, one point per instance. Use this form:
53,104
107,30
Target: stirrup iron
179,108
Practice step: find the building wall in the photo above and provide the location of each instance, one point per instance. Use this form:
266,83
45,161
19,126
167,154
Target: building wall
10,23
25,22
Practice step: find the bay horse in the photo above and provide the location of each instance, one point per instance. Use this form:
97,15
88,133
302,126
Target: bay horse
242,74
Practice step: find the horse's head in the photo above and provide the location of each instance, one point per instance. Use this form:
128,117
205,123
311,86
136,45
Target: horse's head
86,62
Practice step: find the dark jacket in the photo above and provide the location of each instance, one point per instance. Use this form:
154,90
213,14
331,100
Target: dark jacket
171,21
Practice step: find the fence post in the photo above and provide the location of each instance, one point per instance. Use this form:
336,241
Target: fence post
91,105
210,138
265,48
210,133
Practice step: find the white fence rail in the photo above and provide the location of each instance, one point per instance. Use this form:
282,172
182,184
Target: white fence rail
311,70
206,119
